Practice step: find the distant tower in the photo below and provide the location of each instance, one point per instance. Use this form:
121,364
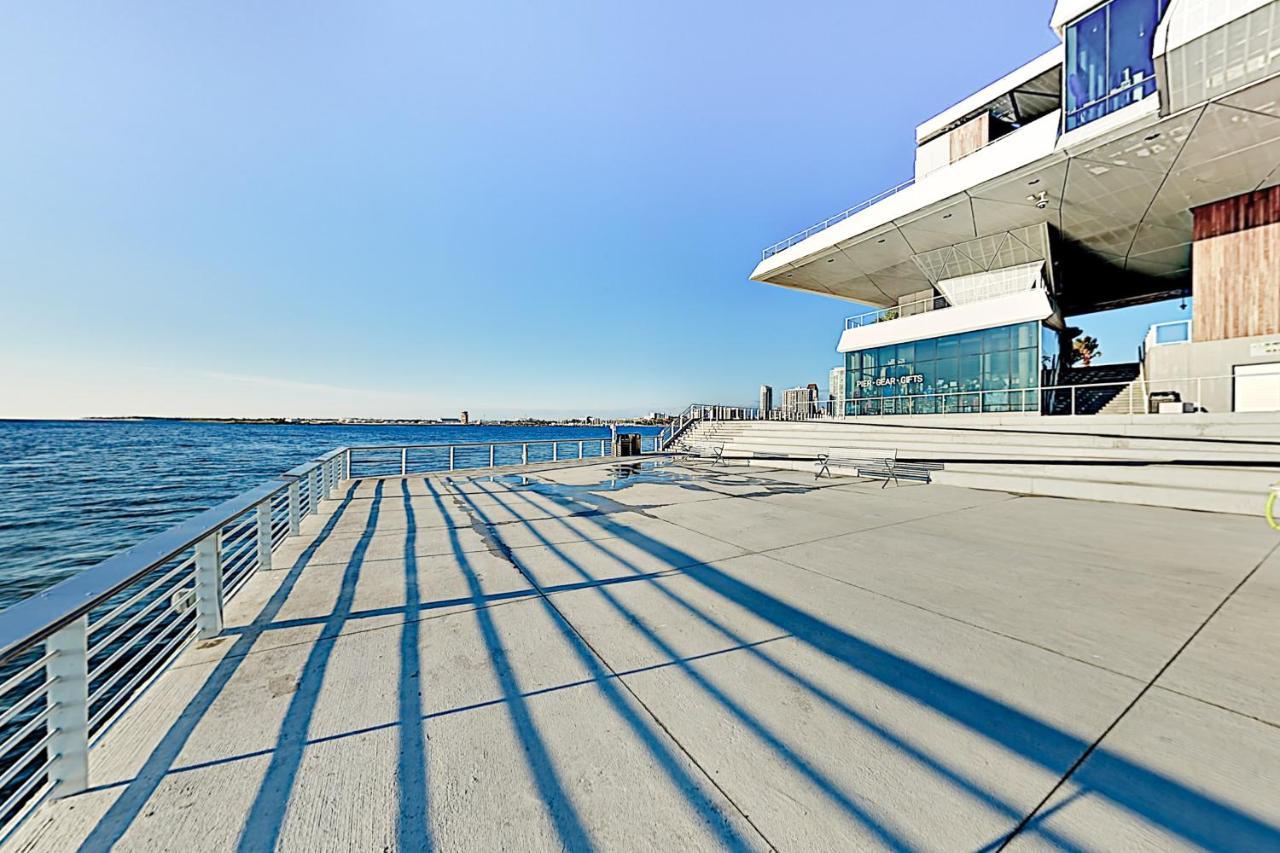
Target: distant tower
466,417
766,401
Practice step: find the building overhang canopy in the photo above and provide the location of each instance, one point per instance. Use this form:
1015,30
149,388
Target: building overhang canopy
1118,192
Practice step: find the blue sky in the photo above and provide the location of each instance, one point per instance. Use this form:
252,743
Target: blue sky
405,209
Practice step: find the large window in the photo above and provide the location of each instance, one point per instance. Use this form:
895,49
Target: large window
1109,64
991,370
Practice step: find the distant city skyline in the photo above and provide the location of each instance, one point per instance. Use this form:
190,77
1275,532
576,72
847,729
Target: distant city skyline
260,210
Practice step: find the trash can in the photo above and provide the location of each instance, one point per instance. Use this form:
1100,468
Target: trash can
1158,397
626,444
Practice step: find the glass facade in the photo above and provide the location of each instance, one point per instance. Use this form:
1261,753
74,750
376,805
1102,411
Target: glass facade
990,370
1109,64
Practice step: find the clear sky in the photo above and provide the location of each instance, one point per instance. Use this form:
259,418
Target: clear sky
408,208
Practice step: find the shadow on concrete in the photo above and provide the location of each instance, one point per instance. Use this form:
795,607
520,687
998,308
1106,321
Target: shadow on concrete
560,808
112,826
1149,795
878,827
952,775
266,816
413,831
625,706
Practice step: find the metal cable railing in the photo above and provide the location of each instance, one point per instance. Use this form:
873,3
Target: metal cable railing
832,220
73,657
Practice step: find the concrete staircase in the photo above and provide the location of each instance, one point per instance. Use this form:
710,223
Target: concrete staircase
1118,390
1201,462
1131,399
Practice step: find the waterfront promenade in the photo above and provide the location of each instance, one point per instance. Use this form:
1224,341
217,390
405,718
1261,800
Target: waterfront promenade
613,657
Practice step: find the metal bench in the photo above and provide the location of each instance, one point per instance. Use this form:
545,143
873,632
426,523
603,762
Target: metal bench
875,464
714,453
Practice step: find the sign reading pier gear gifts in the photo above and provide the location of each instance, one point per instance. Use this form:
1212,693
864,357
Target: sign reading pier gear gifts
914,379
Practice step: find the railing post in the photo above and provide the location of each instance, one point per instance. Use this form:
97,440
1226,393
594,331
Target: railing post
68,695
555,451
451,457
581,445
346,464
326,479
492,448
602,448
295,509
404,461
1073,399
264,536
313,491
209,587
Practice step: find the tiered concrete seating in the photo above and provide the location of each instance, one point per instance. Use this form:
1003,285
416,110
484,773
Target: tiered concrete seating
1213,463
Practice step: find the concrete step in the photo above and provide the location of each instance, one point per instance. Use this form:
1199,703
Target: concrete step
1093,486
976,456
1259,425
940,449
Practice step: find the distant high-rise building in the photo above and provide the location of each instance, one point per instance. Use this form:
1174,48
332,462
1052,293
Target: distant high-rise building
766,400
837,387
466,417
800,402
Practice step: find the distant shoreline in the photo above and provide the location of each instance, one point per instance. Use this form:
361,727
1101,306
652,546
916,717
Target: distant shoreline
525,422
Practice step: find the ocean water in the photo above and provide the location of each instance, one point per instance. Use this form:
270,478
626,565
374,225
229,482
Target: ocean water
72,493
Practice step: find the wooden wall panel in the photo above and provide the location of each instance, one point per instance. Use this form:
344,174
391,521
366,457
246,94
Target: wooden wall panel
1232,215
1236,282
970,136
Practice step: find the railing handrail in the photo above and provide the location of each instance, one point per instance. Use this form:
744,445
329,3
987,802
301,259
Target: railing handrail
475,444
36,617
989,292
800,236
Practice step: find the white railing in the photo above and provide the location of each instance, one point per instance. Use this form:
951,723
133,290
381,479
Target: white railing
828,222
906,309
74,656
996,287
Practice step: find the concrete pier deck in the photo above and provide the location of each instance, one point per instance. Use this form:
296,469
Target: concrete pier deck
691,658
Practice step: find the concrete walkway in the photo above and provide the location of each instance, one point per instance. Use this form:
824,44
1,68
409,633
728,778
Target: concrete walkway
705,659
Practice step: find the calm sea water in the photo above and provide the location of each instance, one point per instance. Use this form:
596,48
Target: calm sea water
72,493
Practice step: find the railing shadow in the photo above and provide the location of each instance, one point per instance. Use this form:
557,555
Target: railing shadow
605,680
111,827
413,831
955,777
262,827
886,835
564,817
1195,817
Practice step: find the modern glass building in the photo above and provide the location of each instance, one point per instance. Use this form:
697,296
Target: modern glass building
1137,161
987,370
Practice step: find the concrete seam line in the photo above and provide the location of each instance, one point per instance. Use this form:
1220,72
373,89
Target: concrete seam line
959,621
631,692
1084,756
767,551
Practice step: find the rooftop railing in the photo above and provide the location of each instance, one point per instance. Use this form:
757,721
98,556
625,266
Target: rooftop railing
827,223
993,289
73,657
782,245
